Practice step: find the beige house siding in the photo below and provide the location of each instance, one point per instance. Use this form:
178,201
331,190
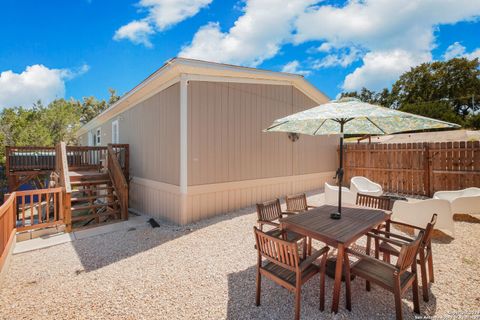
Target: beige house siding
206,201
83,139
160,200
226,142
152,130
231,163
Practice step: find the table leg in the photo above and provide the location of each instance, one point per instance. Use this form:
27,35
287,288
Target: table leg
338,278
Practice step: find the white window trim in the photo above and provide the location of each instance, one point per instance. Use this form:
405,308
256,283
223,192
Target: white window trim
115,132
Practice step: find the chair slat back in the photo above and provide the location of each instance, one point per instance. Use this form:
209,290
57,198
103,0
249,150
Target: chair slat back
374,202
408,253
429,231
297,202
276,250
269,211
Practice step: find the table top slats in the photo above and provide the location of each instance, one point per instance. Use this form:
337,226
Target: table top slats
317,223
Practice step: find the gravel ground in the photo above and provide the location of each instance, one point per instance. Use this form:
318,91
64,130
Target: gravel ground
207,271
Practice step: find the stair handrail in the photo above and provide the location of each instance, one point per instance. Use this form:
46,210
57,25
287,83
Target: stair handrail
118,179
61,167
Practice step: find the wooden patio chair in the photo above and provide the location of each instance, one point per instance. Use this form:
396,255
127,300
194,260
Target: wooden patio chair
284,266
394,278
268,213
376,202
425,258
298,203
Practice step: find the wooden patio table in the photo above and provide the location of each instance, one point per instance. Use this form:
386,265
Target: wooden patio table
316,223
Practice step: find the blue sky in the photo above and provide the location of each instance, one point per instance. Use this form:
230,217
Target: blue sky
80,48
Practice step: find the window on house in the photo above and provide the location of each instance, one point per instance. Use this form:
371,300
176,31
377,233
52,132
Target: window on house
98,137
115,136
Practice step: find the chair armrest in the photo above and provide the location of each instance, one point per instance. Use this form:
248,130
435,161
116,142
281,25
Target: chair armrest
270,223
311,207
363,256
310,259
288,212
406,225
389,240
393,235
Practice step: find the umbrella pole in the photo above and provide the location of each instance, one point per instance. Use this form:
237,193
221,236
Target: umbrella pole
338,214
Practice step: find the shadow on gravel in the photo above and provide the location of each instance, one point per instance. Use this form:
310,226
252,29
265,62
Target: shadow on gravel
278,303
100,251
103,250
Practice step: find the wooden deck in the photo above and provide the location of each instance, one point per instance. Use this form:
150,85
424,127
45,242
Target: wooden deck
85,184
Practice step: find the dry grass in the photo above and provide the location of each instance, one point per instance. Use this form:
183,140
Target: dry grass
207,271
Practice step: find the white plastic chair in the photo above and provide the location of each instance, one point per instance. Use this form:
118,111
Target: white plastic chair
462,201
419,213
365,186
331,195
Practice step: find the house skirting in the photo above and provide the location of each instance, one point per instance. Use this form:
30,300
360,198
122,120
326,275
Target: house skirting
166,201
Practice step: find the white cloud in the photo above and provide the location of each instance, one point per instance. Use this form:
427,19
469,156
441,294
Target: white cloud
405,29
325,47
382,68
456,50
256,36
343,59
166,13
37,82
383,24
396,34
136,31
162,14
474,54
294,67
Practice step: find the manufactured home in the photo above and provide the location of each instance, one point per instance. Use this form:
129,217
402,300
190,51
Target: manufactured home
197,148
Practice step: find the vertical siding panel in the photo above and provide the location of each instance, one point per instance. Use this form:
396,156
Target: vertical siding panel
152,130
230,140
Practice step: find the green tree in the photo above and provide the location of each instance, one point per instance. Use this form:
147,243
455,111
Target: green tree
456,82
91,106
62,118
444,90
440,110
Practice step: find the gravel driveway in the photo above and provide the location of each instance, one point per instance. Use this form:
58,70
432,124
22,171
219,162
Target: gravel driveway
207,271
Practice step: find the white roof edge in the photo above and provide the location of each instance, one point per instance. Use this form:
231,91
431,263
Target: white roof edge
171,70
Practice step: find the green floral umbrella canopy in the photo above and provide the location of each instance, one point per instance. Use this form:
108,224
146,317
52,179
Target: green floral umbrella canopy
359,117
351,116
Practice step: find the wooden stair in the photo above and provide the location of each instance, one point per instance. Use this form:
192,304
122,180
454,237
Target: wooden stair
93,198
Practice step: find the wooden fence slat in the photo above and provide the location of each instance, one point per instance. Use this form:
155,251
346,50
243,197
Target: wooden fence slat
416,168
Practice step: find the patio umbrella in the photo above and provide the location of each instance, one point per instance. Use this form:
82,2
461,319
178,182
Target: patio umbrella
354,117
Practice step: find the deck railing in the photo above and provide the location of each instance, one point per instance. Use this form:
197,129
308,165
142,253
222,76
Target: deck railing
118,179
81,157
25,159
37,209
61,168
122,152
30,158
7,228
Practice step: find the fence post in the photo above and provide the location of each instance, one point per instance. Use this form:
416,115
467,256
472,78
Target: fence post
428,171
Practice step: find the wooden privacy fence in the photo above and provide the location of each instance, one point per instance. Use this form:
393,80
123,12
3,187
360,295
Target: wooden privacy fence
416,168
